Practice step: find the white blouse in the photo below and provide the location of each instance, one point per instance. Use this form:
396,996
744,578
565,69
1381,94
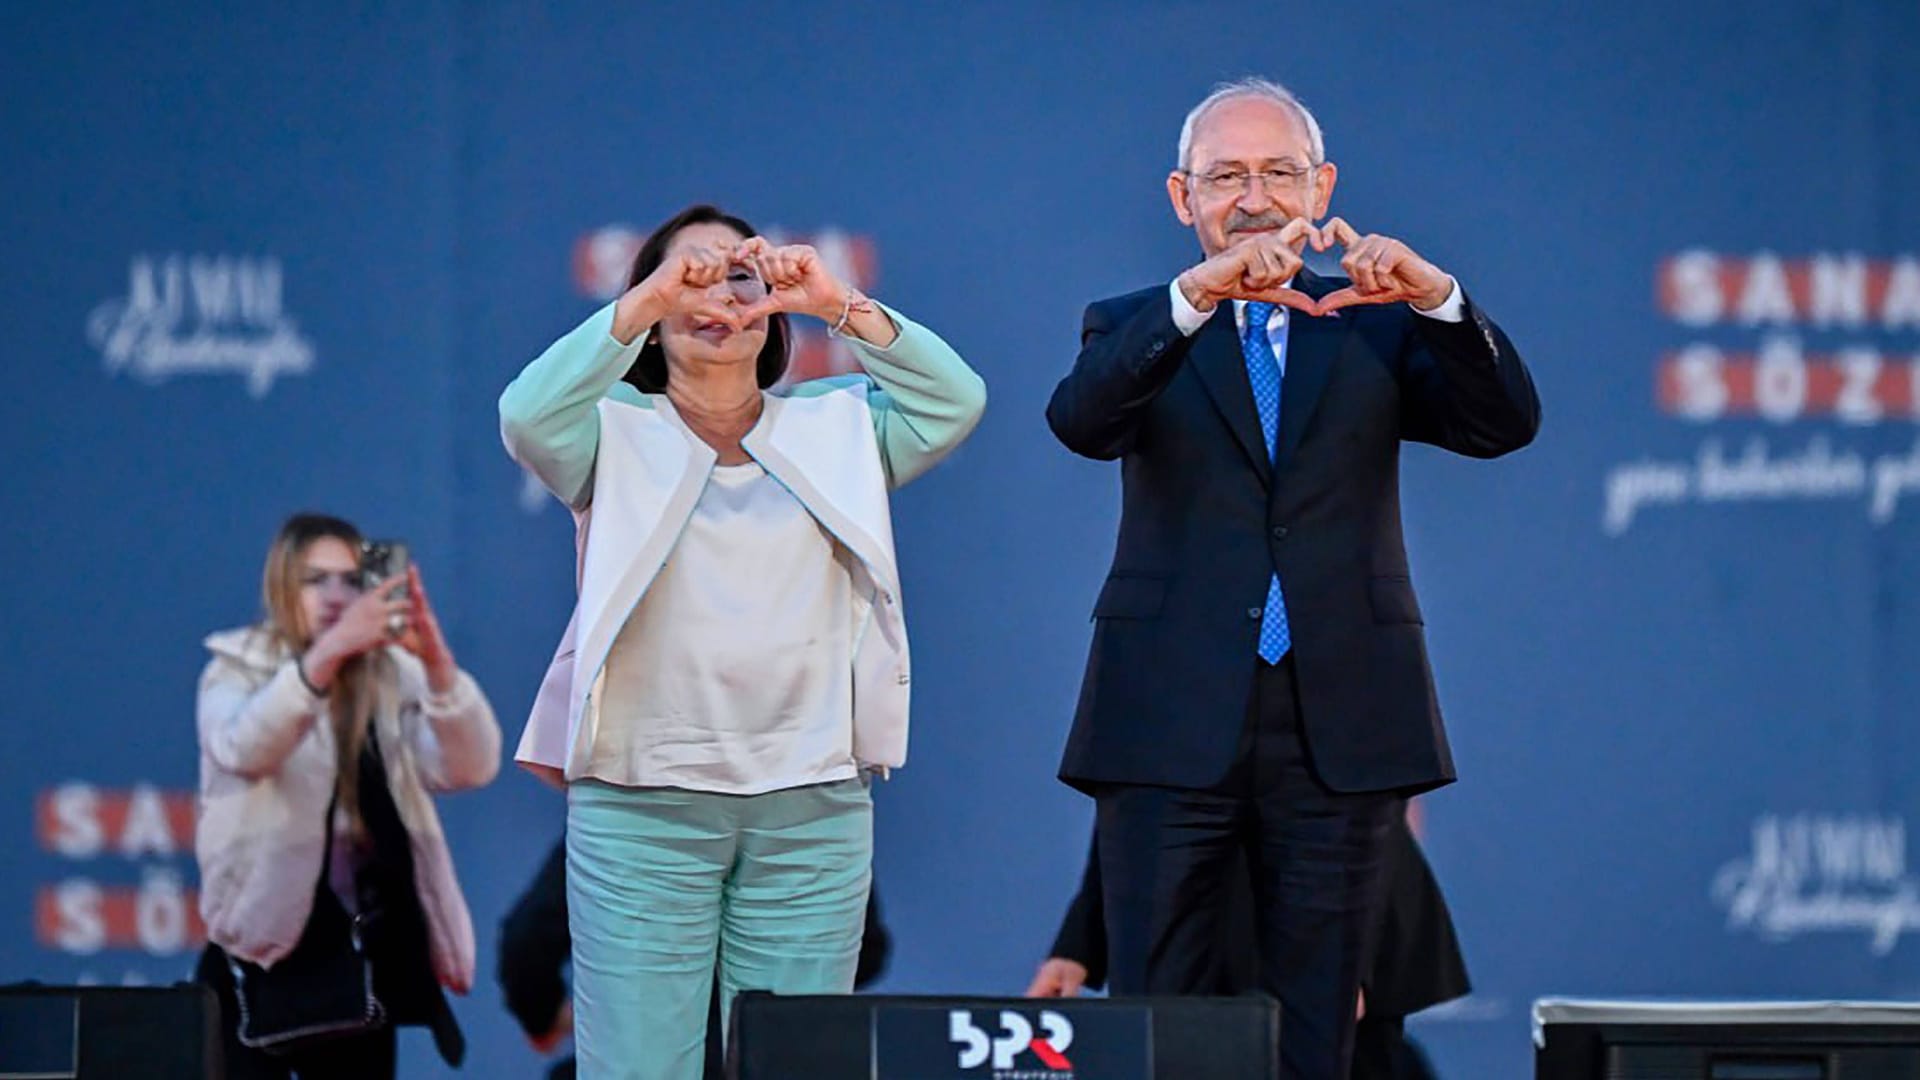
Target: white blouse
734,672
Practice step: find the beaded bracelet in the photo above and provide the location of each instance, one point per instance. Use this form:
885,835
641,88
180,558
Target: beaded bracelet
846,312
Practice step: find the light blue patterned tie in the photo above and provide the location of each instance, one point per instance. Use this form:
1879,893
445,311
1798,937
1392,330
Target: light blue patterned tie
1263,374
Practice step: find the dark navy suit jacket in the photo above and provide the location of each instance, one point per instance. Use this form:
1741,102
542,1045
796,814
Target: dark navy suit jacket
1206,518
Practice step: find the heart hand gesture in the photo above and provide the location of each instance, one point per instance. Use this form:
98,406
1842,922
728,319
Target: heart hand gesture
796,281
1383,270
683,285
1254,269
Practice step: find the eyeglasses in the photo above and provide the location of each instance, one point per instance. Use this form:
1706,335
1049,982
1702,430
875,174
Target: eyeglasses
1229,181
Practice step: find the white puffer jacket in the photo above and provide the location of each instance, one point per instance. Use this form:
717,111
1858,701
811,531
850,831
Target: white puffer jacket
266,781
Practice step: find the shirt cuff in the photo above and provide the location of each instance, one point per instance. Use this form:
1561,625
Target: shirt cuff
1452,309
1186,318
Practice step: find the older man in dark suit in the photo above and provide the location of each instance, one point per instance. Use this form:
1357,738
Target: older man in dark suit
1258,682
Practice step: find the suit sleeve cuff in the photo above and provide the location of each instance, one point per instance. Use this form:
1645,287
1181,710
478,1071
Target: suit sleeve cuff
1452,309
1187,318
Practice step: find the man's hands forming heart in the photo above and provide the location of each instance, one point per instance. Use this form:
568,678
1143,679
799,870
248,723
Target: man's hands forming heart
1383,271
1254,269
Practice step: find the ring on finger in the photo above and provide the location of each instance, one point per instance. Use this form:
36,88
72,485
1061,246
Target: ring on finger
396,625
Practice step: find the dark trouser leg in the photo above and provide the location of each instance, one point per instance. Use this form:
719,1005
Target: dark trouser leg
1316,862
1378,1046
1164,858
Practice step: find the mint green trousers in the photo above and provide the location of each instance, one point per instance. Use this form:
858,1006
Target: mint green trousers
665,885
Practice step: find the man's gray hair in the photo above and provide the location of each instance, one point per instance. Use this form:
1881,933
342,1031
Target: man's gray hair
1252,86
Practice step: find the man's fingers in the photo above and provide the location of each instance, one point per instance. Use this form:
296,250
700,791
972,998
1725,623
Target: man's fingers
1283,252
1349,297
1336,231
1058,977
1296,234
1387,264
1220,275
1239,258
1378,248
1357,264
1269,262
1262,269
1290,262
1292,298
1340,298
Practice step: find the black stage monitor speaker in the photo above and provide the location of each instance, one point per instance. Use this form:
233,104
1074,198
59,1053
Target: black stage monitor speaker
861,1037
1726,1041
109,1033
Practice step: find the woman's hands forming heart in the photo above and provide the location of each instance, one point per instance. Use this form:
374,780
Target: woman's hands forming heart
796,280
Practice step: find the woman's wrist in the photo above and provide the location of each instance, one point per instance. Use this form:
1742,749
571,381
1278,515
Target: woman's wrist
635,312
836,308
442,677
323,659
316,671
870,323
860,317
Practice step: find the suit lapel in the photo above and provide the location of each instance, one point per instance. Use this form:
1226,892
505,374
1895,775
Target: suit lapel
1312,347
1222,367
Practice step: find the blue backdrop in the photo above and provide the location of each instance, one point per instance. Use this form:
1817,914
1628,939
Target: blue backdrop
259,261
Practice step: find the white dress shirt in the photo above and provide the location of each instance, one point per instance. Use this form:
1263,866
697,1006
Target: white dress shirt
733,674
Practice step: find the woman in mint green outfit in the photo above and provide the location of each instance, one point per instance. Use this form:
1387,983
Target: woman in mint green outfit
737,665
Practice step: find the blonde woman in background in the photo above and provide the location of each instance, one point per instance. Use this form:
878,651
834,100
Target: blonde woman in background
332,910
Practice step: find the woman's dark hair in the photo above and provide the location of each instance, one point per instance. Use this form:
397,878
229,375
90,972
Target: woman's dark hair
649,371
